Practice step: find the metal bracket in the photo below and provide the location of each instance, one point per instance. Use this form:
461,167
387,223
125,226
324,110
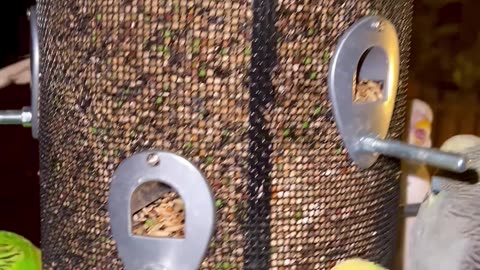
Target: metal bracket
369,50
142,253
28,116
35,66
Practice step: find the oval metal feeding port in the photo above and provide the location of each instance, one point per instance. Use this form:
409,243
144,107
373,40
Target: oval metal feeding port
368,55
148,253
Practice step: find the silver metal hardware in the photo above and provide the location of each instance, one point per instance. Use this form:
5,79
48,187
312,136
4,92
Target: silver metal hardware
35,66
433,157
28,116
369,51
153,160
23,117
139,252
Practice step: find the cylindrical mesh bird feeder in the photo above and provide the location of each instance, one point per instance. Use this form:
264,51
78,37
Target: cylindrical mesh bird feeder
238,88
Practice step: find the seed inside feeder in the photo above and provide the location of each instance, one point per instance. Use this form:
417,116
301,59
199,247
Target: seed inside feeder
368,91
165,217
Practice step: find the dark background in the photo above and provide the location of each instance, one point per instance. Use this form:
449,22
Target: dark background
445,61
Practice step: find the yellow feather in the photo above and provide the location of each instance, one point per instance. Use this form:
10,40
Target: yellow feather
424,124
357,264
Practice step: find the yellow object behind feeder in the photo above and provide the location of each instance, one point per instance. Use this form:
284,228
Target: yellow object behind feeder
357,264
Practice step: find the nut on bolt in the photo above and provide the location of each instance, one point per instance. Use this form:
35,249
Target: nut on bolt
21,117
153,160
377,25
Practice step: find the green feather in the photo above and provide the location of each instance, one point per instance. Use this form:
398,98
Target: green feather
17,253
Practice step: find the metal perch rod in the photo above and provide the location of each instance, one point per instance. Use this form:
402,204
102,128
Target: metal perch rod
433,157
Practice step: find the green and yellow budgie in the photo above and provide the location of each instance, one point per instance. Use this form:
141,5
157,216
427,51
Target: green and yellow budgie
17,253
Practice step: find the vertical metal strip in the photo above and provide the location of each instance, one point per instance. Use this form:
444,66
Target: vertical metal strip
257,224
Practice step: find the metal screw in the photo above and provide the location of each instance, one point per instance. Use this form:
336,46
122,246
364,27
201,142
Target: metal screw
20,117
377,25
153,160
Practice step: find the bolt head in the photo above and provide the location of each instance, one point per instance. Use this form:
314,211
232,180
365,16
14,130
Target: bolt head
153,159
377,25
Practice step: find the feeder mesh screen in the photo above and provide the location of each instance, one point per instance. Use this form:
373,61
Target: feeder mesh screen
239,88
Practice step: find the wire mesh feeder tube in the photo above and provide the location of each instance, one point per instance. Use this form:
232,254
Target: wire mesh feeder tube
236,87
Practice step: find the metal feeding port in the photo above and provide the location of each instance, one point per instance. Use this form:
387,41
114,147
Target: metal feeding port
368,52
146,253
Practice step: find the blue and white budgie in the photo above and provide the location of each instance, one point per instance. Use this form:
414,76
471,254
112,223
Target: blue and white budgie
446,233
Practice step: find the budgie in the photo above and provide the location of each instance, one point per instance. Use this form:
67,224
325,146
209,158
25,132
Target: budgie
17,253
446,233
357,264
